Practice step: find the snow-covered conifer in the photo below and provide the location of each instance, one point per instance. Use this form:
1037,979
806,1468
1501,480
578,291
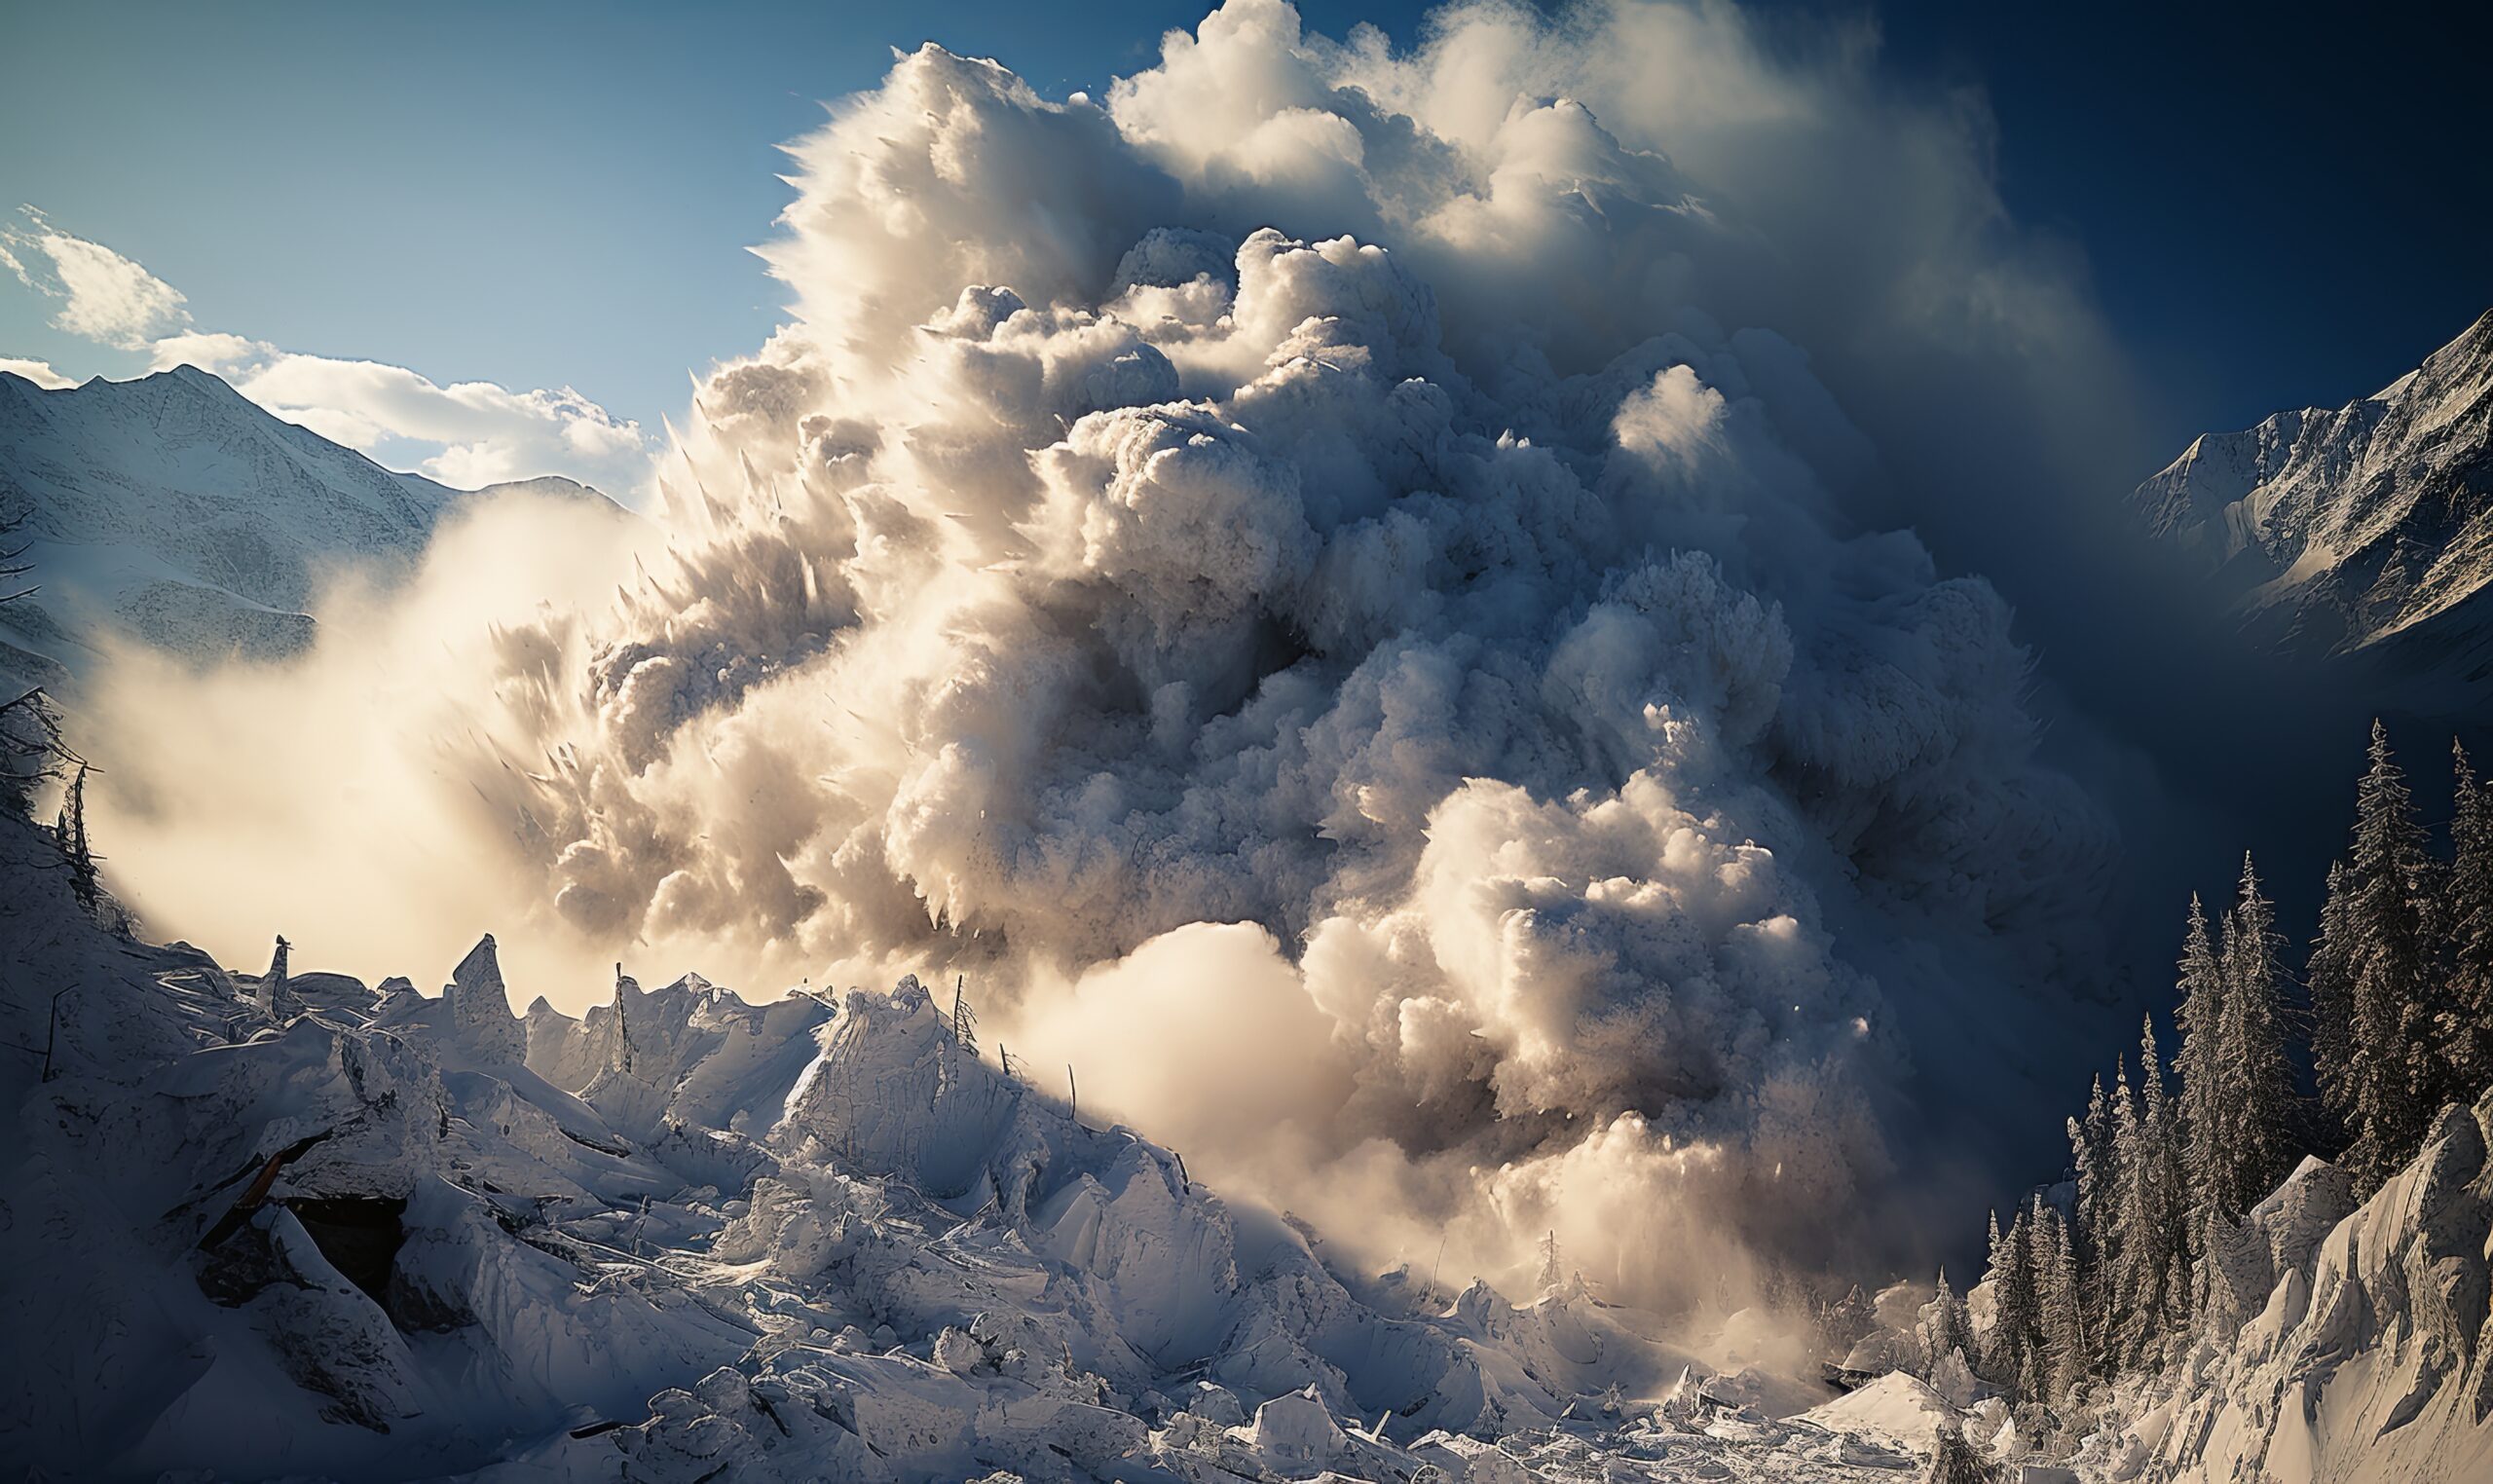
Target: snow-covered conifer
2328,978
1954,1460
2466,1015
2151,1281
2390,1052
2065,1354
1945,1328
2008,1349
2252,1101
2200,1018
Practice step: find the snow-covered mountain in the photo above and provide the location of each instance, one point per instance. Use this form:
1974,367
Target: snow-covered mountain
287,1225
2367,528
176,510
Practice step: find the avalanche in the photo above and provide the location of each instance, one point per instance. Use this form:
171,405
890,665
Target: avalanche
1341,561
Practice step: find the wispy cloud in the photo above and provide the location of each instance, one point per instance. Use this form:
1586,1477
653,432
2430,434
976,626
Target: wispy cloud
104,297
464,434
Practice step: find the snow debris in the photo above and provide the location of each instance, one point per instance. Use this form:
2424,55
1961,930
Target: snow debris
367,1238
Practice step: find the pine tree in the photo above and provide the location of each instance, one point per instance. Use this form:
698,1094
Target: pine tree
2062,1337
31,750
70,831
2163,1142
2391,1057
2090,1140
2154,1273
2253,1104
2329,975
964,1018
619,1055
2008,1356
1841,1324
1553,1273
961,1040
275,995
2119,1292
2200,1018
1945,1327
2466,1018
1953,1461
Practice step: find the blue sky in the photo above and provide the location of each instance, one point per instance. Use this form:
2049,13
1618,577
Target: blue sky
2274,212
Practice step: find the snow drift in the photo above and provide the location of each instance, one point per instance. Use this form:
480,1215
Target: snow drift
2356,1343
1298,574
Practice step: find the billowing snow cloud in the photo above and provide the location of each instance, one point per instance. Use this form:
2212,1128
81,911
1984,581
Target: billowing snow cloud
466,434
1314,583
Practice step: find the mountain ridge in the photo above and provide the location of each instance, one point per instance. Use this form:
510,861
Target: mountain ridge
173,509
2366,529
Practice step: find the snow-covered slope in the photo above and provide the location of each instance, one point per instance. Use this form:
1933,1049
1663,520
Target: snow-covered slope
2352,529
2370,1357
285,1224
173,508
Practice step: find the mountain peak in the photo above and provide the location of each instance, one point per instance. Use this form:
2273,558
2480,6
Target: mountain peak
207,382
176,508
2474,345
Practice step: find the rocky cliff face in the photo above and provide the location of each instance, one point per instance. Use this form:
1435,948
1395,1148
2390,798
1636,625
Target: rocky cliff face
2368,526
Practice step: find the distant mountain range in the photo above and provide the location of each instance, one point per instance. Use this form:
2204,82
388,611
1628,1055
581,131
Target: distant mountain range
2366,529
174,509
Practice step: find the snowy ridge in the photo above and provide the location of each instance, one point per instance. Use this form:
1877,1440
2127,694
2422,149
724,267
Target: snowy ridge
176,510
2344,529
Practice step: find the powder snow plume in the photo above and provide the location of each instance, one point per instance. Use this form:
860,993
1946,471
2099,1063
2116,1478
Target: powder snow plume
1294,579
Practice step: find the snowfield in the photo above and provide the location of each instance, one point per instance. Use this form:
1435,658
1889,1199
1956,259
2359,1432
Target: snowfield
283,1225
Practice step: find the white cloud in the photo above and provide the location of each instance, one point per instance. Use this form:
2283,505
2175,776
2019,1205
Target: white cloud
479,433
104,297
466,433
39,372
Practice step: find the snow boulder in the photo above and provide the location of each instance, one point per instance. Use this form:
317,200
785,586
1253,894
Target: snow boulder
479,1007
1295,1434
2276,1236
1470,1461
1895,1408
